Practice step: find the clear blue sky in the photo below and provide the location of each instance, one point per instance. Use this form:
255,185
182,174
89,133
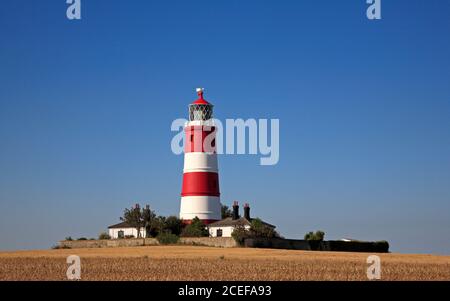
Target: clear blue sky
364,109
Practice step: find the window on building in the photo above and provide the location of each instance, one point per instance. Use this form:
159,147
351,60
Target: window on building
120,234
219,233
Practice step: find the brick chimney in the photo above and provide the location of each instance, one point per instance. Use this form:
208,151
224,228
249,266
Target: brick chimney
247,211
235,210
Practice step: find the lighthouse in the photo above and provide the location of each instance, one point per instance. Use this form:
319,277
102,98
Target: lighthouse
200,194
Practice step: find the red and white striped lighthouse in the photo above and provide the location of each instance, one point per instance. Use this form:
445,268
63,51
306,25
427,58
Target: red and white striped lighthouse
200,195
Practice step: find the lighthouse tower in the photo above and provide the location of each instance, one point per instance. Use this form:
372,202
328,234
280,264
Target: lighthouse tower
200,195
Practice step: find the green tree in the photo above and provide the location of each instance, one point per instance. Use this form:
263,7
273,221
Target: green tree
157,226
309,235
318,235
257,230
226,212
133,217
195,229
148,219
173,225
240,234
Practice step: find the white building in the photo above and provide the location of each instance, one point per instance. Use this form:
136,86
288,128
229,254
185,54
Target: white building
222,228
225,227
123,230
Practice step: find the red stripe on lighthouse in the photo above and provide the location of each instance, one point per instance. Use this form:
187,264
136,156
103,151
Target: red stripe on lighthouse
200,139
200,184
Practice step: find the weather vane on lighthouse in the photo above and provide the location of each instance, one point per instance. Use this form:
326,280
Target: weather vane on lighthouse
200,195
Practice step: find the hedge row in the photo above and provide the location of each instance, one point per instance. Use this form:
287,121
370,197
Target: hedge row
315,245
354,246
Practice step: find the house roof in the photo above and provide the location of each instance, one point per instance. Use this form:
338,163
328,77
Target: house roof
120,225
229,221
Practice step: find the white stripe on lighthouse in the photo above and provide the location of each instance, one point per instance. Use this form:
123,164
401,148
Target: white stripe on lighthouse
203,207
200,162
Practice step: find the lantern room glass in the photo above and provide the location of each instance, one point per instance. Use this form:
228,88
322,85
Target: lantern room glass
200,112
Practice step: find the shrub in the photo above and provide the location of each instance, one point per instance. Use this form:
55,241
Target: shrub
239,234
257,230
381,246
82,238
69,238
129,236
195,229
166,238
103,236
358,246
57,247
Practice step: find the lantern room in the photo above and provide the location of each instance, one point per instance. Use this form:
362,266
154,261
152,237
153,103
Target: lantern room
200,110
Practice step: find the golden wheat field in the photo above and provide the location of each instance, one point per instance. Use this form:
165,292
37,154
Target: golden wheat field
206,263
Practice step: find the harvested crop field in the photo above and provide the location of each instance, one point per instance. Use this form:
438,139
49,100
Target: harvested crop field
206,263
